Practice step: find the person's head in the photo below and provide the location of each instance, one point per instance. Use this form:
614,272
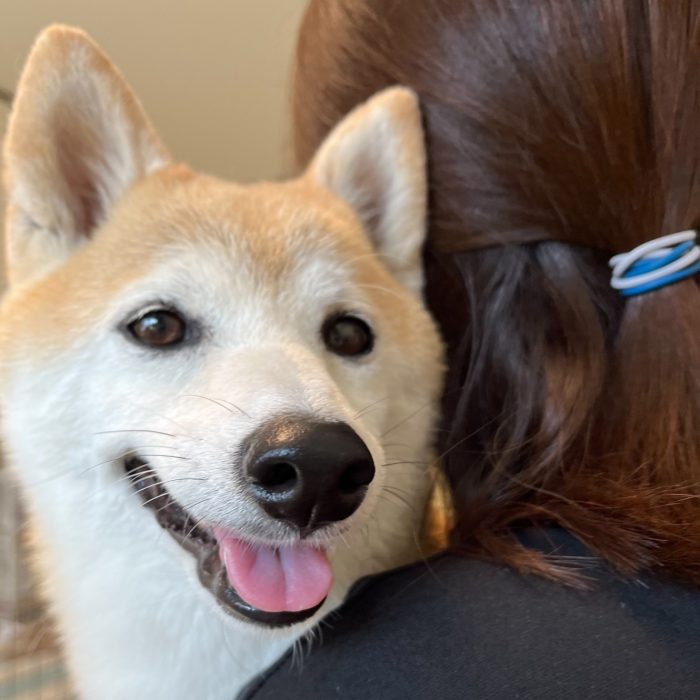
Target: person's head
559,132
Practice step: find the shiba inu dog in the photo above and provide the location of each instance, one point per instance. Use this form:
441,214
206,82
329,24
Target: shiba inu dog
218,400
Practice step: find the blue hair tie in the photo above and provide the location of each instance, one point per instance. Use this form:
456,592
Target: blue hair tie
656,264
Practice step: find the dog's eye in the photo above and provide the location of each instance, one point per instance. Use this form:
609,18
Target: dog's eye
159,328
347,336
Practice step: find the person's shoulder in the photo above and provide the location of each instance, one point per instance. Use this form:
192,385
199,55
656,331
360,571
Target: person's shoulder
454,627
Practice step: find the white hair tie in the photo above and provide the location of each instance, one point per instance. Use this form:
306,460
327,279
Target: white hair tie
656,263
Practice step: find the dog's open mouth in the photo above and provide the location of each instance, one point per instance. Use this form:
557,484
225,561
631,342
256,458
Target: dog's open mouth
274,586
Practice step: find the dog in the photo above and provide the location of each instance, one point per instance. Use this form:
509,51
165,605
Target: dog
218,401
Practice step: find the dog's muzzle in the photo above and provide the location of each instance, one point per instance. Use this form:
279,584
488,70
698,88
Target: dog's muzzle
305,473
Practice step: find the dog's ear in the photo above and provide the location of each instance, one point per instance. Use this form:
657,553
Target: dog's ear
375,161
77,139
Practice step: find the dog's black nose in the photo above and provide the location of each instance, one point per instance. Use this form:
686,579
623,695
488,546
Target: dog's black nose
308,472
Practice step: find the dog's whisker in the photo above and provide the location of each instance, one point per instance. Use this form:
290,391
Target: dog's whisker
236,406
369,407
397,444
101,492
145,472
188,506
81,472
168,481
130,453
413,414
184,435
399,489
160,495
159,415
344,539
389,490
195,526
141,473
134,430
219,402
412,463
140,454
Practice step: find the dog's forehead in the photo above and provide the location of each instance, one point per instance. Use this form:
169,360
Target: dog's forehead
273,227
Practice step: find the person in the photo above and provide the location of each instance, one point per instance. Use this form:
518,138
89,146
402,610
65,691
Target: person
560,133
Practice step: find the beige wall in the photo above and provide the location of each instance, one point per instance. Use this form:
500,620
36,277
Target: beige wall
212,74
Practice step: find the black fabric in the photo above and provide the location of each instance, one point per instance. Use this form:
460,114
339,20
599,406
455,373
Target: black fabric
458,628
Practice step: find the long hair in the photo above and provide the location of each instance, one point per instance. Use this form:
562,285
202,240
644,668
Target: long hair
559,132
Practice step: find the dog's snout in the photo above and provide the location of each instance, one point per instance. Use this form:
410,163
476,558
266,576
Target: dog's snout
308,472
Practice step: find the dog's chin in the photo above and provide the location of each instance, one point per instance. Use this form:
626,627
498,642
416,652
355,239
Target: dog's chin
201,543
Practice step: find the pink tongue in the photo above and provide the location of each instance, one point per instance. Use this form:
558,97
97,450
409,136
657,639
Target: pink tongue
289,579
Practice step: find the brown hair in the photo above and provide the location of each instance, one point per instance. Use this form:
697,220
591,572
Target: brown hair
558,132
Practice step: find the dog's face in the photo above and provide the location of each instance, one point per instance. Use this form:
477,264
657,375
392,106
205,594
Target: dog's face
247,367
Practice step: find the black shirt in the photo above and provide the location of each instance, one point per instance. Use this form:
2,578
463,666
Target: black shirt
456,628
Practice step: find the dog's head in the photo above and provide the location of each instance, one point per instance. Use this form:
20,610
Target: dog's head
253,364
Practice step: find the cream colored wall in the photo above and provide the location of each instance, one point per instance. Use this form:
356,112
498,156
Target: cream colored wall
212,74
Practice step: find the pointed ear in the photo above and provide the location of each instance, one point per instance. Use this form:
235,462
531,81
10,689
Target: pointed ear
375,161
76,140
